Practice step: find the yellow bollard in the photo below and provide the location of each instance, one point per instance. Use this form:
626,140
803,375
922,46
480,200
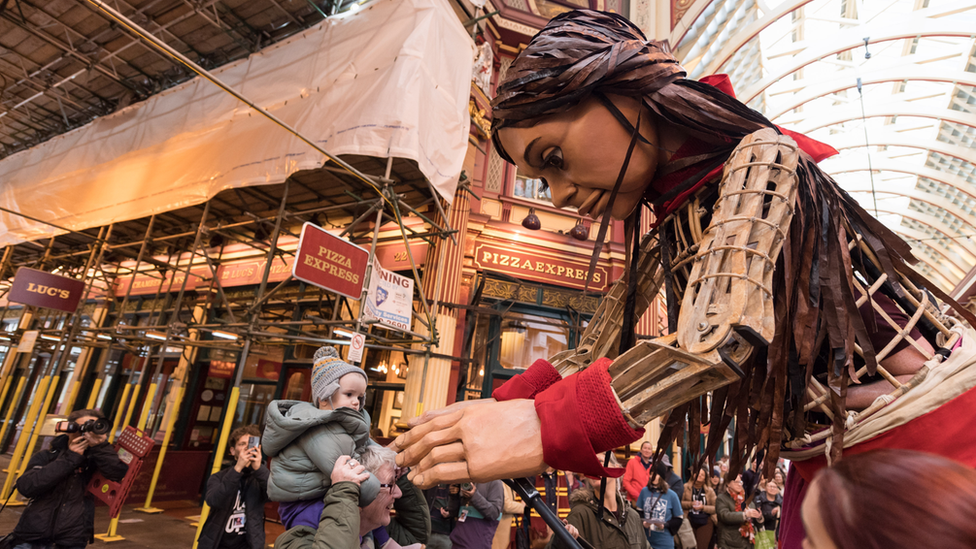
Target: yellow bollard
10,410
146,406
162,454
112,534
8,368
235,393
131,407
3,392
124,403
94,393
24,436
41,417
72,395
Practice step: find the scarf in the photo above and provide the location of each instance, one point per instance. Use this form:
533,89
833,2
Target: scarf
746,529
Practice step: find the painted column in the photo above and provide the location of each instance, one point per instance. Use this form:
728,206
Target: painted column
442,277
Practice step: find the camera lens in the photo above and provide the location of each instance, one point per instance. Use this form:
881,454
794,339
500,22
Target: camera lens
101,427
96,426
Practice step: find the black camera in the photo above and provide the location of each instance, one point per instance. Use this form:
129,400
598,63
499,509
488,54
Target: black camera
96,426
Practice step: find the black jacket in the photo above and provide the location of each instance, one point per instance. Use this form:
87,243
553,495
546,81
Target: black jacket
221,494
61,510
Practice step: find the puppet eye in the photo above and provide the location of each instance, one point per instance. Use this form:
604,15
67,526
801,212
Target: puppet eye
554,159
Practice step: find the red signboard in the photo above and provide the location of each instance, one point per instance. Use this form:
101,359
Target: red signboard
539,264
230,274
221,369
329,262
43,289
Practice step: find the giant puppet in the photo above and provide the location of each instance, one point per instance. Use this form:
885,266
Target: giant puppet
790,308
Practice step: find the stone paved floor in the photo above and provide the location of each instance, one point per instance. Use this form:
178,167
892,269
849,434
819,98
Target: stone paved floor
171,528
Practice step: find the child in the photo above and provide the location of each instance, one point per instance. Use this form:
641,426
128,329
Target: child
305,439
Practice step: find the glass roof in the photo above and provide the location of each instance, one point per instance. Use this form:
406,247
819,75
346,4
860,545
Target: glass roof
891,84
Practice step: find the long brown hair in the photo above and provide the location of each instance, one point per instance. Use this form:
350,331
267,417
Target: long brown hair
892,499
585,52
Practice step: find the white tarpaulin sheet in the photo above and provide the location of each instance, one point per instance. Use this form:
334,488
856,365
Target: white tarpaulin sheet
389,80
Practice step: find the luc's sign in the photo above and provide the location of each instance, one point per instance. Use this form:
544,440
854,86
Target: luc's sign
43,289
330,262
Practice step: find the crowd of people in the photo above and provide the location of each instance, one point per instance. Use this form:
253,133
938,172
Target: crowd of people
339,489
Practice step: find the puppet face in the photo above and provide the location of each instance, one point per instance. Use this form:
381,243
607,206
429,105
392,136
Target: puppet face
579,152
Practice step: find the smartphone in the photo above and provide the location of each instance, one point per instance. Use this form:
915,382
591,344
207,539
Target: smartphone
252,442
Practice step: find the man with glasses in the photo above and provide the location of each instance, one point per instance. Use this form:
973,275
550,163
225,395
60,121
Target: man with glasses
344,525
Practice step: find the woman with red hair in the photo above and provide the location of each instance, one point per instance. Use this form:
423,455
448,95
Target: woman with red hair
891,499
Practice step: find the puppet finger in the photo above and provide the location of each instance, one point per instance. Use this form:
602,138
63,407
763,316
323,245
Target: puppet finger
442,454
443,473
419,449
405,441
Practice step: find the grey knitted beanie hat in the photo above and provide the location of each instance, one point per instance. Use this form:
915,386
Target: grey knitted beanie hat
327,368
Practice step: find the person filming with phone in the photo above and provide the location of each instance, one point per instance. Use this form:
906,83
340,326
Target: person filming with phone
61,512
237,495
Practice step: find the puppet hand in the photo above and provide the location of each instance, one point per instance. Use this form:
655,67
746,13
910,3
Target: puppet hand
431,414
480,441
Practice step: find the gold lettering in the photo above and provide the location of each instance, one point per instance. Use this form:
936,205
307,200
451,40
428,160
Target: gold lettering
30,287
486,257
65,294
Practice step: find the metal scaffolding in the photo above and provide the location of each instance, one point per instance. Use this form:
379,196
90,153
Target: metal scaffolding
171,249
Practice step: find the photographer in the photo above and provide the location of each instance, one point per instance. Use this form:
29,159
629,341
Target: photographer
237,495
481,506
61,512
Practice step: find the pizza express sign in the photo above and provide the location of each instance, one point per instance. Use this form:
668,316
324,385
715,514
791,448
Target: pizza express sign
43,289
534,265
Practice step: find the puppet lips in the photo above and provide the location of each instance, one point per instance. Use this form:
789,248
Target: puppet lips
591,202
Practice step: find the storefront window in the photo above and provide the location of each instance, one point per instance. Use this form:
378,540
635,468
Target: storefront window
294,387
531,189
526,338
505,346
253,403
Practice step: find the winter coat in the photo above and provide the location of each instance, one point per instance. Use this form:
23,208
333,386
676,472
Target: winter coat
770,521
708,508
510,508
60,510
729,521
605,533
635,477
338,524
222,488
411,524
304,444
487,500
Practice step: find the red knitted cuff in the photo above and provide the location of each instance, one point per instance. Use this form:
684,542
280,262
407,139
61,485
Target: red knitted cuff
528,384
580,417
603,420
